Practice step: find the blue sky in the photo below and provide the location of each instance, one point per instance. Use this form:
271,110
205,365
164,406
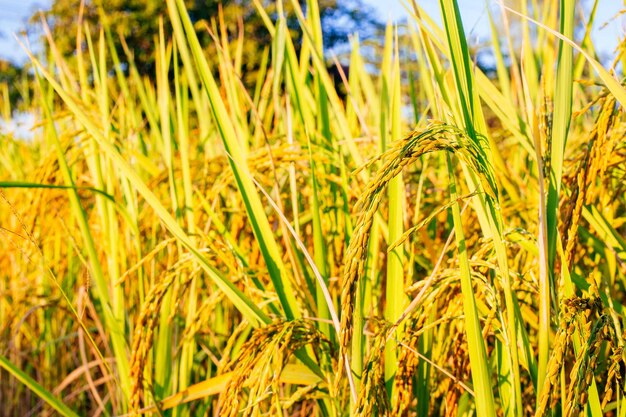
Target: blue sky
13,15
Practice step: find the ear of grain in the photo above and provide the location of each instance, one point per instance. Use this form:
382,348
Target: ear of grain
435,137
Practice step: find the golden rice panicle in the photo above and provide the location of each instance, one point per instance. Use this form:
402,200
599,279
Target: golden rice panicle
143,337
436,136
407,366
615,373
603,147
583,371
584,309
453,369
260,362
555,364
592,167
372,397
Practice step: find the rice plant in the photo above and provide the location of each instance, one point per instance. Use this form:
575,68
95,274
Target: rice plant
420,238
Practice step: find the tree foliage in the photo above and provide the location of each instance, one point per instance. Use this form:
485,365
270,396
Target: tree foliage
137,21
